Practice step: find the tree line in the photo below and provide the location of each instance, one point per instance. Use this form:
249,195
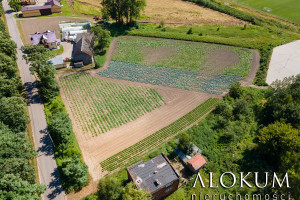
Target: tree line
119,10
73,171
17,173
253,130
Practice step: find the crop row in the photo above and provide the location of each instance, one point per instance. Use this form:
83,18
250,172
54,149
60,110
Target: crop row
175,78
98,105
136,151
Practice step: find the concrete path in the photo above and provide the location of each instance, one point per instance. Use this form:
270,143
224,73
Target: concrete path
47,168
285,62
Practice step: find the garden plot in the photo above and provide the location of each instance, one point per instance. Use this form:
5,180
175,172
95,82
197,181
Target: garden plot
184,65
99,106
175,78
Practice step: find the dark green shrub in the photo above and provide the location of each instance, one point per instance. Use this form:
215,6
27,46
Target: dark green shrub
190,31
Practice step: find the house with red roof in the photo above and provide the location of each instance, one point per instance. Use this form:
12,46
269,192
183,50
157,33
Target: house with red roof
196,163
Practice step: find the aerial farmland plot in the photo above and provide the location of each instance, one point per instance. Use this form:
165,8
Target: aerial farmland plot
185,65
148,92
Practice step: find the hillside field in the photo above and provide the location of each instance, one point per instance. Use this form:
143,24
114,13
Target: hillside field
287,9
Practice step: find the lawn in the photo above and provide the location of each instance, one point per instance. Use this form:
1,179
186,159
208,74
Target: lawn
287,9
137,151
190,56
98,105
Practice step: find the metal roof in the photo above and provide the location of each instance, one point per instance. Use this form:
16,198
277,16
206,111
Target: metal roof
153,174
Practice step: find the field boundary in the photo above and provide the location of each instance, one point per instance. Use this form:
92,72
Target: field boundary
109,165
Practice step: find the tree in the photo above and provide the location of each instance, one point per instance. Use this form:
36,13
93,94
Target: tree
130,192
7,46
13,187
9,86
75,174
236,91
8,66
109,189
185,143
19,167
60,128
38,57
15,4
119,9
102,38
280,143
13,113
14,145
283,102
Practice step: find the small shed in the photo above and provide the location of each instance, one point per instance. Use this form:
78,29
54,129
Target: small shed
196,163
58,62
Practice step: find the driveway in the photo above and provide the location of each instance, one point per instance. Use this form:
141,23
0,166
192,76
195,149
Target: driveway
285,62
68,50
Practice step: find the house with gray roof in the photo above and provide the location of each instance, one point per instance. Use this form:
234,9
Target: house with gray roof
157,176
83,50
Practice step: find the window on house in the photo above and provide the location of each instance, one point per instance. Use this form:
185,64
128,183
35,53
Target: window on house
170,184
168,190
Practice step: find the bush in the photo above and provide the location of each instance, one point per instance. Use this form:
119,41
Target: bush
190,31
185,143
109,189
161,24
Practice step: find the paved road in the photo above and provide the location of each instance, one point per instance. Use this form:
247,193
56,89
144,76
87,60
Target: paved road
48,173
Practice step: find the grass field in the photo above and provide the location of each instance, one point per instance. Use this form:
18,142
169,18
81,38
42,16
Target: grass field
86,9
99,106
198,57
137,151
287,9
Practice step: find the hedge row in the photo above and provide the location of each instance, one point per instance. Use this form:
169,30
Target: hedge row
73,171
254,19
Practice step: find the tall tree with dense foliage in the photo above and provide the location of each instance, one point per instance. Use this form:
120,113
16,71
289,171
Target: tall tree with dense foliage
13,113
130,192
102,38
120,9
109,189
38,57
76,172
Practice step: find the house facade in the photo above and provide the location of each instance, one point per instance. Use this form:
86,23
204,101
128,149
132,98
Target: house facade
157,176
51,6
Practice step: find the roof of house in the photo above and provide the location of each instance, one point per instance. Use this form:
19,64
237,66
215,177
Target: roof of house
84,44
153,174
48,5
57,60
49,35
196,162
182,155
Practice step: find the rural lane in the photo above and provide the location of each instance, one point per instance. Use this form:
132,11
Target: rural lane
47,168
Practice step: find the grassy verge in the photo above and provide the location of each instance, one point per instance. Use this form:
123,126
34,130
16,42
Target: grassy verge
21,31
138,150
